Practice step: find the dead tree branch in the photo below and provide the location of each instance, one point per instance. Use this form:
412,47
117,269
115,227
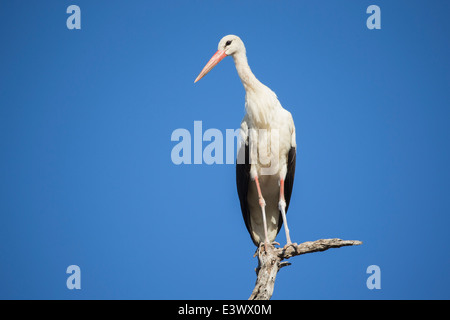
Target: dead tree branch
270,261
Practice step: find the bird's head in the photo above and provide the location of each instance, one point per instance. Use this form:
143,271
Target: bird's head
231,44
228,46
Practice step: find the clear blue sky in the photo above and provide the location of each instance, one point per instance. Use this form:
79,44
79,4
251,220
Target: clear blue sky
86,176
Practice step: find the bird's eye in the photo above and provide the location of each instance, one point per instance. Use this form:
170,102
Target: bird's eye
228,43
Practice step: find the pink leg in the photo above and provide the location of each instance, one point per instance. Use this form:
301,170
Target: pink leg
262,204
282,208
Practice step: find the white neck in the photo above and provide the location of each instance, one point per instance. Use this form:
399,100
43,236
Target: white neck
261,102
245,73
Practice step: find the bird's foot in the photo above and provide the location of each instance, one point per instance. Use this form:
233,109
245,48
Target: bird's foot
289,244
263,247
266,246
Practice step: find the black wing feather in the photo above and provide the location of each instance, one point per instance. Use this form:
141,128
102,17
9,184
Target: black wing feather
242,182
288,182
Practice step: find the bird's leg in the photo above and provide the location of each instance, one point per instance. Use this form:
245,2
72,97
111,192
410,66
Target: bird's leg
262,204
282,208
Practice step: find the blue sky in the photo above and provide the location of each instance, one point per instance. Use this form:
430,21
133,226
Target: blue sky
86,118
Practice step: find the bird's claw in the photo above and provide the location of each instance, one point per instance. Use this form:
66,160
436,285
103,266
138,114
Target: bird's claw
263,247
289,244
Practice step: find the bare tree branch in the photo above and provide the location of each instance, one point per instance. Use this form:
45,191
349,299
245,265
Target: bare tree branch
270,261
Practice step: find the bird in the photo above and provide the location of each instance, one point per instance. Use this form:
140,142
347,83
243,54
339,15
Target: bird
266,158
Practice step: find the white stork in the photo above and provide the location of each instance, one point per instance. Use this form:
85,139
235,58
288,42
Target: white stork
267,129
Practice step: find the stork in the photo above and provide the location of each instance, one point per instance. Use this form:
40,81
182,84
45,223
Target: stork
267,133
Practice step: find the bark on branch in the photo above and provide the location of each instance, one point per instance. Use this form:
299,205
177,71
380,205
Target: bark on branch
270,261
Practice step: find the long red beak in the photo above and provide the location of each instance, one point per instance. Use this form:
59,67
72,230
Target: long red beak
216,58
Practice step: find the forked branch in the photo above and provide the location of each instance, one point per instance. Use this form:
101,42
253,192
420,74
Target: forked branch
270,261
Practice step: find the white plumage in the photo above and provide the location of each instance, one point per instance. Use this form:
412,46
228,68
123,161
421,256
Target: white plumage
265,178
